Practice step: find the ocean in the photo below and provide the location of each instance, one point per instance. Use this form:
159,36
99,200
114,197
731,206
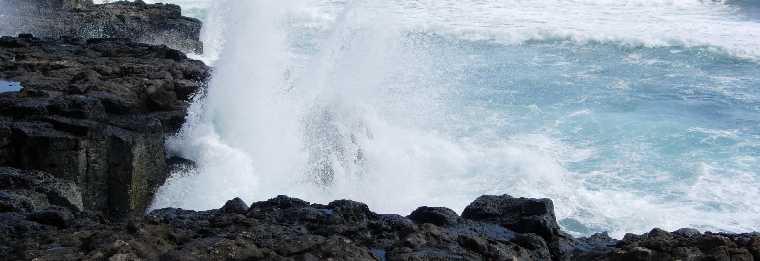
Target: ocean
629,114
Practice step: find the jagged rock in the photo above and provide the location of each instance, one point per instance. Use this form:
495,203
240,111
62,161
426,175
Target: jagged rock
285,228
519,214
526,215
352,211
235,205
177,164
437,216
687,232
685,244
280,202
86,115
160,24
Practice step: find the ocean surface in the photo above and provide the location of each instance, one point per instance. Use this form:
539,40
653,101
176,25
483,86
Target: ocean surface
629,114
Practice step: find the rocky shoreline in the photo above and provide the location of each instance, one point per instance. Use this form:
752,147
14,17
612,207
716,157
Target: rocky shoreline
283,228
95,112
161,24
82,154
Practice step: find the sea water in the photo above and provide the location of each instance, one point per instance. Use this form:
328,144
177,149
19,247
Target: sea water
628,114
9,86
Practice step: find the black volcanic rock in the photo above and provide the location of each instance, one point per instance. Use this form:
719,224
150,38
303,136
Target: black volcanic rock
437,216
235,205
137,21
30,191
529,216
285,228
519,214
662,245
94,112
53,216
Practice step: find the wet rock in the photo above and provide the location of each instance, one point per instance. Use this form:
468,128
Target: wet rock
687,232
519,214
594,247
437,216
235,206
352,211
285,228
160,24
684,244
279,202
177,164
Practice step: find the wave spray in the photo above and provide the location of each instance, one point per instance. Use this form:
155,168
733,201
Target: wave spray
400,104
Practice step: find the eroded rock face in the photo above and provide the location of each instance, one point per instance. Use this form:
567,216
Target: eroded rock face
95,112
140,22
31,191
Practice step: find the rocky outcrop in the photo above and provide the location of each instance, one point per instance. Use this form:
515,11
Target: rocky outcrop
95,112
687,244
159,24
286,228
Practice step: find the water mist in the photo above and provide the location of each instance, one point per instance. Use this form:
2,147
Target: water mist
404,104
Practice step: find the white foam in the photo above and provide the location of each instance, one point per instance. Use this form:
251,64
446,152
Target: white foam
370,105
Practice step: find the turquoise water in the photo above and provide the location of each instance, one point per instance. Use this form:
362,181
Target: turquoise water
675,125
628,114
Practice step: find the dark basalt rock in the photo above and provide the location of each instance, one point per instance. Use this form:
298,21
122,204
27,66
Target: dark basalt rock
534,216
685,244
285,228
94,113
53,216
521,215
30,191
235,206
160,24
436,216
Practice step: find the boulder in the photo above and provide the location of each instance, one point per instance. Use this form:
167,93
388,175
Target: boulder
684,244
235,205
529,216
521,215
435,215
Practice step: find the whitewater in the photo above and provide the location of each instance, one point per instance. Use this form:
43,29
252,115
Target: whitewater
629,115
